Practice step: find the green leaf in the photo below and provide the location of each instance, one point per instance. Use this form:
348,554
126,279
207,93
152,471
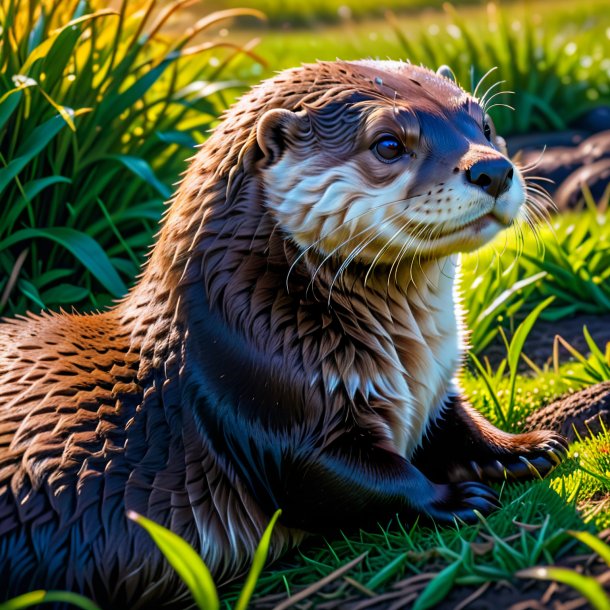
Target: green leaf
8,103
43,49
41,597
183,558
31,292
491,389
260,556
523,330
143,170
601,548
33,187
64,293
587,586
84,248
438,587
387,572
182,138
114,105
499,302
50,276
31,147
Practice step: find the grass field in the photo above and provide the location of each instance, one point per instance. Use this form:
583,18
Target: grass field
96,119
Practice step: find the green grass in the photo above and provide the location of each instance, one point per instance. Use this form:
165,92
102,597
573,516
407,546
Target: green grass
529,530
98,112
555,56
299,14
568,260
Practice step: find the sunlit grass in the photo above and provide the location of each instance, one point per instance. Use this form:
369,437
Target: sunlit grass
98,112
569,261
554,56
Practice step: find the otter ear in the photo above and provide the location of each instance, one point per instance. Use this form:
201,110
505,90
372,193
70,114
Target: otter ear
274,131
447,72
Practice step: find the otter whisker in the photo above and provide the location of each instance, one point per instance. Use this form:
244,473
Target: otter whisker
344,243
541,178
538,201
426,239
541,201
528,212
384,249
498,105
403,248
535,214
484,97
534,164
418,236
496,94
353,254
530,182
341,226
482,79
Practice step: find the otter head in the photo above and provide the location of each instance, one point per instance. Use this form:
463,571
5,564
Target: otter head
387,162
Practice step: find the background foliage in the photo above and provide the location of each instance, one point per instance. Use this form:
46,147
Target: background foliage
98,112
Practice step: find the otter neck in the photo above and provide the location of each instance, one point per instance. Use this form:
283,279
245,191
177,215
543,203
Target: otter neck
233,250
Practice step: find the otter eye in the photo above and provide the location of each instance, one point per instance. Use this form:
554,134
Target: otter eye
388,148
487,130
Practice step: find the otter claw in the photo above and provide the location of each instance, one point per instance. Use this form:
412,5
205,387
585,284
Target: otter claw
477,469
500,466
556,458
533,470
561,444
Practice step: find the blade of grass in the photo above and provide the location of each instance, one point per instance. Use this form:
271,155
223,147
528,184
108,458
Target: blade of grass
585,585
45,597
82,246
437,589
260,556
601,548
183,558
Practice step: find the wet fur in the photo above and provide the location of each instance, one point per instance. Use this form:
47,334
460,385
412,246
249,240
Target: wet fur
249,369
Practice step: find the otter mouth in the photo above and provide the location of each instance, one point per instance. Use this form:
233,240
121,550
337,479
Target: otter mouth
476,225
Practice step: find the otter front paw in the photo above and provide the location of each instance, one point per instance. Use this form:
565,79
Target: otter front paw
461,500
528,456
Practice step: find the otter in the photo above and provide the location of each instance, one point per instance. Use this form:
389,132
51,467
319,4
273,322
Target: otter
292,343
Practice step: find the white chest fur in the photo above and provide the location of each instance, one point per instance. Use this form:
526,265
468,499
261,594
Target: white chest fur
426,345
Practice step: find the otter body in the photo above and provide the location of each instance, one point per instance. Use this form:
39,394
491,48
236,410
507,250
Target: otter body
292,343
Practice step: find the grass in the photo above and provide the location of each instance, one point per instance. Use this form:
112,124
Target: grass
98,110
568,260
530,529
554,56
298,14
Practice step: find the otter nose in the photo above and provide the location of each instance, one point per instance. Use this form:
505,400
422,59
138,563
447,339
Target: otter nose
494,176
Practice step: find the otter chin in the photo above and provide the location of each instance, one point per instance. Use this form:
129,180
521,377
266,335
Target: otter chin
292,343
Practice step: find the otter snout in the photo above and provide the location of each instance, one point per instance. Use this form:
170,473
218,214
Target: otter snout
494,176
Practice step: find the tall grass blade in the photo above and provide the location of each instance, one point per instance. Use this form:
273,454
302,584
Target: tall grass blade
183,558
82,246
587,586
437,589
46,597
30,148
260,556
592,541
